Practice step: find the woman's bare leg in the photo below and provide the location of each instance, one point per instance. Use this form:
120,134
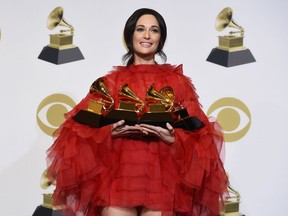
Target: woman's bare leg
118,211
149,212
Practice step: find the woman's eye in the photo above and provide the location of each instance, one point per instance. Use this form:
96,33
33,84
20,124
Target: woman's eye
139,29
155,30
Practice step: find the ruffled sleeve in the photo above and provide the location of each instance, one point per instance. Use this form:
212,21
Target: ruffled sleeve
79,156
202,171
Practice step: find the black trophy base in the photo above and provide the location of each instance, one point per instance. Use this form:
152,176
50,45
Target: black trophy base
60,56
116,115
229,59
89,118
45,211
157,119
189,123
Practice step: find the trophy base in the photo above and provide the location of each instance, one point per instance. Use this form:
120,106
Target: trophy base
60,56
116,115
231,209
45,211
47,208
230,58
89,118
189,123
157,119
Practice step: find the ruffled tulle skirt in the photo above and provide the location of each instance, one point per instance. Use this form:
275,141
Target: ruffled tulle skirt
93,170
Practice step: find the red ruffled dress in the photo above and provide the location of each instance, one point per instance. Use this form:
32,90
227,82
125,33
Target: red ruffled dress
93,170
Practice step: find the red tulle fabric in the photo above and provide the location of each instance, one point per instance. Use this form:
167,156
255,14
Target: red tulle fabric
93,170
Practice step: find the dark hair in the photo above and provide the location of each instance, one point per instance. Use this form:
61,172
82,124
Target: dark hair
130,28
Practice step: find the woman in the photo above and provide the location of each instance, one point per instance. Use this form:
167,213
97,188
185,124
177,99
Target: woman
145,170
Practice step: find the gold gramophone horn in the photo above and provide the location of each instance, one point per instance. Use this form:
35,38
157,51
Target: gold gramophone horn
99,86
168,92
166,97
224,20
44,181
128,93
56,18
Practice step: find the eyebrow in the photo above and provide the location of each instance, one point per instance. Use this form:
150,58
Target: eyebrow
153,26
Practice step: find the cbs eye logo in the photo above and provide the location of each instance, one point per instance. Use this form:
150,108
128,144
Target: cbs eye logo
51,110
234,117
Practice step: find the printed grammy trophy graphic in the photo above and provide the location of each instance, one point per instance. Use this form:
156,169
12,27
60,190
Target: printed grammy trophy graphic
230,51
61,48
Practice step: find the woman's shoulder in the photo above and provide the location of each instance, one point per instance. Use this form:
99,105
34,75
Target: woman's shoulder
173,68
178,68
118,69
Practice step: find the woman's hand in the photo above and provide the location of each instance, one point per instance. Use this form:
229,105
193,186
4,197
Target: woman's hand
119,129
165,134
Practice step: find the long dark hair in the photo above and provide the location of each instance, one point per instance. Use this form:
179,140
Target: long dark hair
130,28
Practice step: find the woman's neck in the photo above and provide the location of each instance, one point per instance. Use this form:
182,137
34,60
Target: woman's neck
140,60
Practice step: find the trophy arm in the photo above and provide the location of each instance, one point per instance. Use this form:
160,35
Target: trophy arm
233,191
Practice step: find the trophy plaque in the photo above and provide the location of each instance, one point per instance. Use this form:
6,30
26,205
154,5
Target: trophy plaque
157,116
128,108
61,48
92,116
160,112
230,51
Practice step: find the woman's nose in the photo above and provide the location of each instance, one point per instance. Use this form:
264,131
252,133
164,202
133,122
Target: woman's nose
147,35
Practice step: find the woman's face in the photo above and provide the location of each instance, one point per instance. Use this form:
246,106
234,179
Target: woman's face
146,37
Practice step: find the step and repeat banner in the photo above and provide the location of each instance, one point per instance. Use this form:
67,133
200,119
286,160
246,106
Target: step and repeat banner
234,51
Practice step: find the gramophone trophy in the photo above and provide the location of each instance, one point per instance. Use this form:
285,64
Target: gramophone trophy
47,208
129,105
185,121
231,206
61,48
93,114
101,111
230,51
160,112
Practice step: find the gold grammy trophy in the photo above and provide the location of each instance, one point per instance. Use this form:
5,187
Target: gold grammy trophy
161,105
101,112
129,105
232,205
47,208
163,110
61,48
93,114
185,121
230,51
